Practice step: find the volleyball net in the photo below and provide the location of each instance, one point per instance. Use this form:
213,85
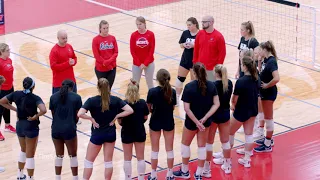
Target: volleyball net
293,27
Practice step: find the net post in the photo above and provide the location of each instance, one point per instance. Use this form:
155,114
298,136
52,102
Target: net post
314,43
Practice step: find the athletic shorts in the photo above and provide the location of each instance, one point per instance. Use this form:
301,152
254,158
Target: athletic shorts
186,64
189,124
131,137
64,136
29,129
221,116
269,94
154,125
101,138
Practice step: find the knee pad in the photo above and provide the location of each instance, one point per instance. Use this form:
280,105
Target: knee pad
30,163
22,157
226,146
108,165
141,167
249,139
209,147
154,155
185,151
88,164
74,161
170,154
127,168
179,82
202,153
58,161
269,124
231,140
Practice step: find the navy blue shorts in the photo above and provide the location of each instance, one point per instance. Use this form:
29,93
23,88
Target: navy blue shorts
189,124
29,129
131,137
64,136
101,138
156,126
56,89
186,64
269,94
221,116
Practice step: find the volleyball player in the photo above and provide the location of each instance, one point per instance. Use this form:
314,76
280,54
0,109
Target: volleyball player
133,131
269,76
220,120
62,60
247,41
6,70
105,51
64,106
201,101
209,47
142,44
161,101
2,80
187,44
28,122
104,109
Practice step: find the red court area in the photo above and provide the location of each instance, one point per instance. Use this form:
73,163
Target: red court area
295,156
31,14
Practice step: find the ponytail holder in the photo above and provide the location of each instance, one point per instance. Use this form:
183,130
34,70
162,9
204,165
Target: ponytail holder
27,91
133,82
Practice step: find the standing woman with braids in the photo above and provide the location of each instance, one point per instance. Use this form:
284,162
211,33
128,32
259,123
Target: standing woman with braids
269,76
220,119
6,70
161,101
64,107
247,41
105,109
105,51
201,101
28,122
245,107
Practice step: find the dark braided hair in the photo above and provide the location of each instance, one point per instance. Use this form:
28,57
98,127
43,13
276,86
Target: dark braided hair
66,85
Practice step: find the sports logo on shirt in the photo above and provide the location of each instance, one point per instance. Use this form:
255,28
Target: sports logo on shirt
243,46
142,42
263,66
190,40
105,45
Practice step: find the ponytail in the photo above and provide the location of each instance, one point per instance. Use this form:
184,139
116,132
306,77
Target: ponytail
249,26
201,75
163,77
132,94
269,46
249,63
66,85
104,90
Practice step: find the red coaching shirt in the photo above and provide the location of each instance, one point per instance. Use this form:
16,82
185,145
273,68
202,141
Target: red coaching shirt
59,63
6,70
209,49
142,48
105,51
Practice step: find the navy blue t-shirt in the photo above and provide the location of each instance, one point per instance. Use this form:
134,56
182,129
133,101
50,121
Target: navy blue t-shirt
247,105
162,111
30,107
135,122
65,115
93,105
224,97
268,66
187,37
199,104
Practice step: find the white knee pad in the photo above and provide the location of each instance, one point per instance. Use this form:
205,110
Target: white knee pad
269,124
249,139
127,168
58,161
226,146
202,153
74,161
209,147
170,154
185,151
108,165
141,167
30,163
88,164
22,157
154,155
179,84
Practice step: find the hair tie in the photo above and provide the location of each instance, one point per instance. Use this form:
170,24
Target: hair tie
27,91
133,82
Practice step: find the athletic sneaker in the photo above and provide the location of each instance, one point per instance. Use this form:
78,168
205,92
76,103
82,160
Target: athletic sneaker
197,177
258,133
150,178
244,162
261,141
22,178
10,129
182,175
206,173
217,155
226,168
241,151
218,161
2,169
170,178
263,148
1,137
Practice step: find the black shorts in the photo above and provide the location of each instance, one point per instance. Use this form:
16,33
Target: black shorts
189,124
243,117
101,138
158,126
109,75
131,137
269,94
29,129
64,136
187,64
221,116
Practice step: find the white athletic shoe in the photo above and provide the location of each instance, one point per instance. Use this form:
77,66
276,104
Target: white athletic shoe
241,151
2,169
206,173
258,133
217,155
244,162
218,161
226,168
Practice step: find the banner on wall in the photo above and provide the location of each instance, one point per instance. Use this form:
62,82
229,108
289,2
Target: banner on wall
1,12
